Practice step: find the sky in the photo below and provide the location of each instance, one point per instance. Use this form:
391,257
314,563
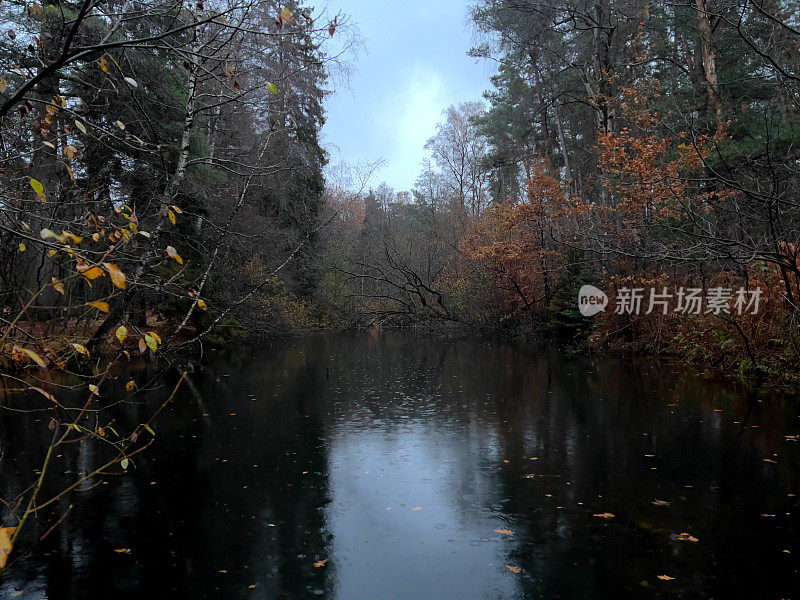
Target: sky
412,66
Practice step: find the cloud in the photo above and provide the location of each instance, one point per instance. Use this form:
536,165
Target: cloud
407,118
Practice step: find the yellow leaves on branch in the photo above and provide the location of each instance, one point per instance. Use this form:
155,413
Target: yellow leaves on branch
6,533
150,340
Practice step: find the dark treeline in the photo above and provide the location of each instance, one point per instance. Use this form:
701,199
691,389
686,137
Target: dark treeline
162,174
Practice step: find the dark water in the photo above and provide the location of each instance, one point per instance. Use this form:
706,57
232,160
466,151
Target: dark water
396,458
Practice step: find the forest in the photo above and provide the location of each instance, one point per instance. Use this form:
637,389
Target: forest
162,174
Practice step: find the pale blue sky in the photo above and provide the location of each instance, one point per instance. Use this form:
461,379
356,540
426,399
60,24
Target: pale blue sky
414,65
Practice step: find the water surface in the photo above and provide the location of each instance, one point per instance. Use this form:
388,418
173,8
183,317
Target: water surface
395,459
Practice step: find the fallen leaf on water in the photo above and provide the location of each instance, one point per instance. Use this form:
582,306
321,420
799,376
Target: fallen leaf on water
666,578
122,550
769,460
320,563
513,569
658,502
6,533
251,587
787,551
605,515
686,537
766,515
223,571
504,531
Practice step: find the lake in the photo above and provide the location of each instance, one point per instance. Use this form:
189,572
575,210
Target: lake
389,466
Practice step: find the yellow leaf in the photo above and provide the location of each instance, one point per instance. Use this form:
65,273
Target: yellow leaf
67,235
666,578
81,349
22,247
94,389
172,218
70,151
59,287
131,385
117,276
320,563
35,357
605,515
93,273
151,342
513,569
122,334
101,306
3,86
81,126
155,336
103,64
176,209
120,124
37,187
201,304
6,533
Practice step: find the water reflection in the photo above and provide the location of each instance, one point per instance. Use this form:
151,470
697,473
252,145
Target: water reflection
395,458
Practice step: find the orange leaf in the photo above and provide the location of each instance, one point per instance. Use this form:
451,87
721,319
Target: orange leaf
513,569
6,533
320,563
504,531
93,273
101,306
117,276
